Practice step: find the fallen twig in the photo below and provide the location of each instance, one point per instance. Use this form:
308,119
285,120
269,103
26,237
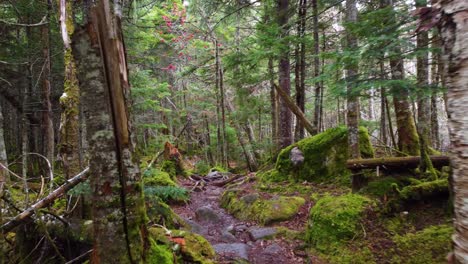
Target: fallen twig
8,226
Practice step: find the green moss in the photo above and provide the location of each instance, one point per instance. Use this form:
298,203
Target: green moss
334,220
218,168
430,245
170,167
325,157
289,234
272,175
355,255
155,177
159,212
264,211
195,248
159,254
424,189
381,187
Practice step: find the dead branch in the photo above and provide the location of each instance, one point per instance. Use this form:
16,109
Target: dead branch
395,162
26,214
222,183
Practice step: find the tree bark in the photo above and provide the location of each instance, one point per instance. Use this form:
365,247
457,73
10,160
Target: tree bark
317,85
351,85
454,33
285,116
300,67
47,124
435,79
118,207
274,107
424,100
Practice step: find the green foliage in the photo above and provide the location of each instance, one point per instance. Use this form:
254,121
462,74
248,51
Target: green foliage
424,189
202,167
334,220
167,193
170,167
82,188
382,187
429,245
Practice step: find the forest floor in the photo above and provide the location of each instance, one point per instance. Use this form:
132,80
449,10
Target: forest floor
235,240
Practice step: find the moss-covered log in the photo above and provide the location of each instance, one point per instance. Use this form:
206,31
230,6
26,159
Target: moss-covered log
395,162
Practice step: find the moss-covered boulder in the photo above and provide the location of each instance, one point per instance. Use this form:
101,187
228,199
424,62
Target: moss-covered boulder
264,211
324,154
159,212
334,220
423,190
429,245
186,246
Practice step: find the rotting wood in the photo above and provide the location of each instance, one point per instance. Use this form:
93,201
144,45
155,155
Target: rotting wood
395,162
26,214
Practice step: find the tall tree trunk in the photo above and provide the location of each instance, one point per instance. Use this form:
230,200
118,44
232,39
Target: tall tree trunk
424,101
70,99
47,124
4,179
274,107
285,115
209,152
353,114
435,79
118,206
408,141
454,29
317,84
351,85
383,102
300,67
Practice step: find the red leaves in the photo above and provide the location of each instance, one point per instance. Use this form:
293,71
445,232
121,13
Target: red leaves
429,17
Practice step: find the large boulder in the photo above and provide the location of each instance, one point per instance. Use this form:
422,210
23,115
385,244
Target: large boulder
318,158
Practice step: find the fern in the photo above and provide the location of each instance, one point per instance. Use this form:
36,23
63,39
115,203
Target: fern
167,193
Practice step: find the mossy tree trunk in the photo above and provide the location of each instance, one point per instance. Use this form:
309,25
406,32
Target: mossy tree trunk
118,206
285,115
69,147
454,32
4,178
424,100
408,141
435,79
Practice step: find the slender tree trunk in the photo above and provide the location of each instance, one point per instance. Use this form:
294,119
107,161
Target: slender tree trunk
118,207
274,107
285,115
209,152
223,116
454,29
47,124
4,180
383,102
317,86
408,141
435,79
300,67
424,101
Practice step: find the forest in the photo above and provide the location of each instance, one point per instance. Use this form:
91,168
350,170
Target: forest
233,131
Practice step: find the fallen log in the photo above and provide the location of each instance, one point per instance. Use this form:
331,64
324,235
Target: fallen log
395,162
224,182
26,214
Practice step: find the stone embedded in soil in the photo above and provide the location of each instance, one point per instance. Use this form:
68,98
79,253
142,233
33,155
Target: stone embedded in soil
273,249
236,249
250,198
206,213
228,237
257,233
194,226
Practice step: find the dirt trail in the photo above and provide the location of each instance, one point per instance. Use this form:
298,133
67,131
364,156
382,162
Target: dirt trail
234,239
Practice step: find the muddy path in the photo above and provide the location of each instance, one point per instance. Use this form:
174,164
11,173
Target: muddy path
234,240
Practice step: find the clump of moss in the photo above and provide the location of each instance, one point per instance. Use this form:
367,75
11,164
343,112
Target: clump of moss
159,253
192,248
424,189
382,187
155,177
325,157
334,220
170,167
264,211
159,212
429,245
